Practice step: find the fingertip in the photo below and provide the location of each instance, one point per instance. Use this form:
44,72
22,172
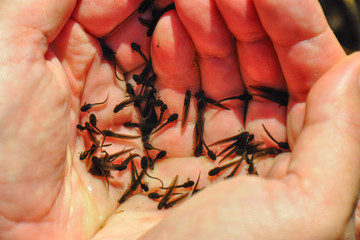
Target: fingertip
242,19
121,39
101,17
304,19
171,46
208,31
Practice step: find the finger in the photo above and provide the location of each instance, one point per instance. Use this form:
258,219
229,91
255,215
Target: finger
173,58
220,76
29,27
49,20
120,41
259,66
101,17
303,40
306,48
214,44
328,146
117,22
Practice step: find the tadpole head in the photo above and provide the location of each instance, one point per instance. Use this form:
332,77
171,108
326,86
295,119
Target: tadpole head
251,137
135,47
83,155
154,195
161,154
130,89
144,163
163,107
188,184
108,53
138,80
211,155
120,167
198,150
245,97
85,107
158,103
144,187
214,171
118,108
200,94
173,117
93,119
81,128
284,145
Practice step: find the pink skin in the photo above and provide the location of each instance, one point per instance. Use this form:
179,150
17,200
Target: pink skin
53,65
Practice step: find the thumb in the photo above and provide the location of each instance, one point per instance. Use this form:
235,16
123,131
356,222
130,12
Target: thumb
33,109
326,156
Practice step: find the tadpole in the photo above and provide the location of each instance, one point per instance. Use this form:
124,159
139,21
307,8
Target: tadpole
110,55
283,145
274,95
88,106
109,133
168,193
186,107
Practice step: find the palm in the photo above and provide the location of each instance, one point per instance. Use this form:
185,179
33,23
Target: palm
86,77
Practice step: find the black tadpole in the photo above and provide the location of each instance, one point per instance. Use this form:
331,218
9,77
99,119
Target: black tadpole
243,136
156,16
201,95
217,170
274,95
154,195
168,193
195,190
163,108
136,48
113,156
186,107
88,106
237,166
145,5
144,166
245,97
130,90
172,118
175,200
283,145
109,133
110,55
93,120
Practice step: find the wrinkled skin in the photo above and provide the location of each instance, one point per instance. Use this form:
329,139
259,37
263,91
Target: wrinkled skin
51,64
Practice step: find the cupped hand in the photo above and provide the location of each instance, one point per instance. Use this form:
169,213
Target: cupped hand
53,64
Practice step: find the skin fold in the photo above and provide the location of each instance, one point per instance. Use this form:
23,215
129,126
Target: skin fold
51,64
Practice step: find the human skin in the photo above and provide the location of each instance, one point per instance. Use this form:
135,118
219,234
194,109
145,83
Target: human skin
51,64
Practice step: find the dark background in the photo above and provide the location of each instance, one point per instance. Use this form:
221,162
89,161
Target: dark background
344,19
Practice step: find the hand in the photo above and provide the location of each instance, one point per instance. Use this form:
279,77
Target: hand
46,188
